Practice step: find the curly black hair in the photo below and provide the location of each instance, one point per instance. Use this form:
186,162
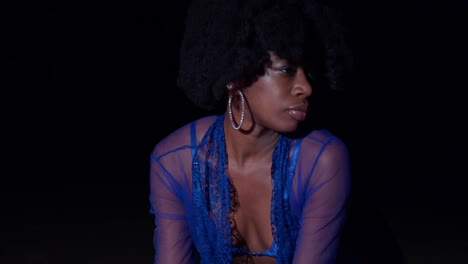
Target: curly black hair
230,41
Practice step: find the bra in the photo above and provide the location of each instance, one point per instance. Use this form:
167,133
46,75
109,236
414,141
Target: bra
271,252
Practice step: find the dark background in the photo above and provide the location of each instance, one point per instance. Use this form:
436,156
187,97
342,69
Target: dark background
90,89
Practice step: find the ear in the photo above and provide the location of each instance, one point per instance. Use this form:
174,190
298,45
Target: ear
230,87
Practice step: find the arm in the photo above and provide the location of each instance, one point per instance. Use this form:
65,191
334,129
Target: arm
324,210
172,240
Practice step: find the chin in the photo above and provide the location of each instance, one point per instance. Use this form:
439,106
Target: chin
289,129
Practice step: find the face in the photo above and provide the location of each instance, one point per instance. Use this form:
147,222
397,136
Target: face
278,99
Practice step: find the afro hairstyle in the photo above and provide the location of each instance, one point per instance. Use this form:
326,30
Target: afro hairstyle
230,40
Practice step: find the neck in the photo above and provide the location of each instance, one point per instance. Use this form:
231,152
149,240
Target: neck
252,148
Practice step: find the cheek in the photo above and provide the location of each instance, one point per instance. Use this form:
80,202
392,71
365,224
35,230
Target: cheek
263,98
264,108
266,96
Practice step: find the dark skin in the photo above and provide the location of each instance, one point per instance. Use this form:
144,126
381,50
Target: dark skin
277,103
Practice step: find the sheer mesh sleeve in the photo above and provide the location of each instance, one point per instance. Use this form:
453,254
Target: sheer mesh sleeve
326,189
172,240
171,193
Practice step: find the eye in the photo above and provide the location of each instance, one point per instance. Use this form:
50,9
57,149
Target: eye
310,75
289,70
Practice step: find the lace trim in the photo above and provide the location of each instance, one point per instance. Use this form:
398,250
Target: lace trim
238,241
214,230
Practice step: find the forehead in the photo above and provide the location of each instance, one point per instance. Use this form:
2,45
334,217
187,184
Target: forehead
274,58
280,61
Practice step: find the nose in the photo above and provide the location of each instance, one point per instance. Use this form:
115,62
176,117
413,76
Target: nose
302,86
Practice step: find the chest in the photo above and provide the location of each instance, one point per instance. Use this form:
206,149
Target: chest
252,193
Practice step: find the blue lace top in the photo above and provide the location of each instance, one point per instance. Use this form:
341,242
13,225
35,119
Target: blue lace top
190,197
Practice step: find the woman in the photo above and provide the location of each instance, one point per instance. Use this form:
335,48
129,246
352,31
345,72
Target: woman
244,186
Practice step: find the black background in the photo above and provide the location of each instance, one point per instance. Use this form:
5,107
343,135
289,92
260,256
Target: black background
90,89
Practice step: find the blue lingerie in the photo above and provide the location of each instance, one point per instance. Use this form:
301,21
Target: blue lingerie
190,197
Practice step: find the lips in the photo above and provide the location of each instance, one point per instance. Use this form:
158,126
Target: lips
298,113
